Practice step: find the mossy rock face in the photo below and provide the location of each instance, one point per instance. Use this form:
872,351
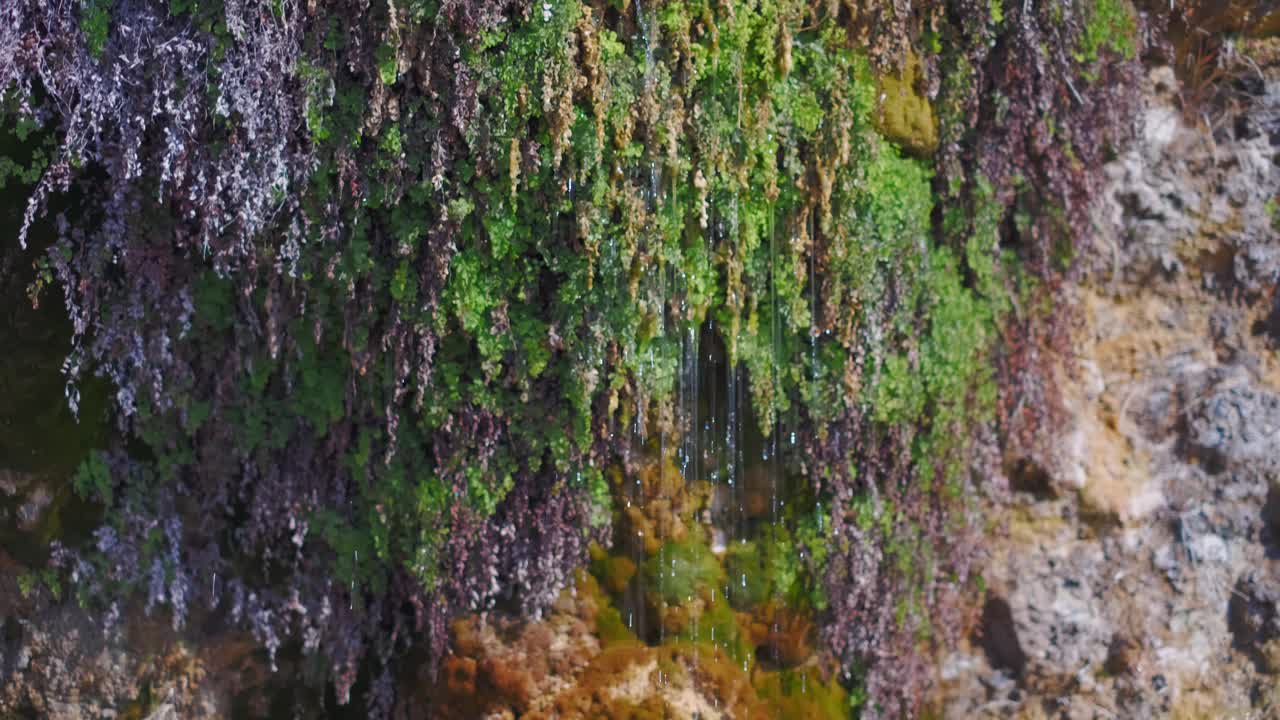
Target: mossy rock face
683,570
801,693
506,237
903,113
614,571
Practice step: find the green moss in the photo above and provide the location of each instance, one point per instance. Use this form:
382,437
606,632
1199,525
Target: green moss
778,566
386,59
752,585
613,572
682,570
612,631
605,203
719,626
802,693
951,363
95,23
1109,25
905,115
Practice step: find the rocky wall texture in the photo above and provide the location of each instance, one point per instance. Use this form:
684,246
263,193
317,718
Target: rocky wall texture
1137,577
400,323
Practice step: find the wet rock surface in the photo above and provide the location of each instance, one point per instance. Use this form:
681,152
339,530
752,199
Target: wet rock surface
1137,575
581,662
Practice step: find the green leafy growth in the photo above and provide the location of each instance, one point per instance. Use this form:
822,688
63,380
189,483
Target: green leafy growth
95,23
48,578
779,565
1109,25
802,693
952,375
996,8
682,570
93,479
27,583
387,64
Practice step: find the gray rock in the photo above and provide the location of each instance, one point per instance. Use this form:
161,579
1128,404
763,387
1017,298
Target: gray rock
1238,428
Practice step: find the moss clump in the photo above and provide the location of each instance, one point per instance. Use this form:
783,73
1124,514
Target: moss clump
949,376
746,564
716,624
469,265
1109,25
904,114
802,693
612,631
613,571
777,566
682,571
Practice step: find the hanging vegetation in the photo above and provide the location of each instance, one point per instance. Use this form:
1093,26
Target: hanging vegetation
385,291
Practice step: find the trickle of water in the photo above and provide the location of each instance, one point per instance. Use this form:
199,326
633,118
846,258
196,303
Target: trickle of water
772,445
647,25
690,464
733,217
694,676
730,439
646,29
732,450
662,547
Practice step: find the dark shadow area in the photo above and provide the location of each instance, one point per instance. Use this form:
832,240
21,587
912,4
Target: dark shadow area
1027,476
1252,620
999,638
1270,535
41,441
1270,325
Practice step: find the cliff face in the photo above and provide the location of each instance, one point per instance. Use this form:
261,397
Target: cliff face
1136,577
582,359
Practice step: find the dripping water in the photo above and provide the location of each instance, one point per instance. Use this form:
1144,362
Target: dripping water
771,451
813,368
813,310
